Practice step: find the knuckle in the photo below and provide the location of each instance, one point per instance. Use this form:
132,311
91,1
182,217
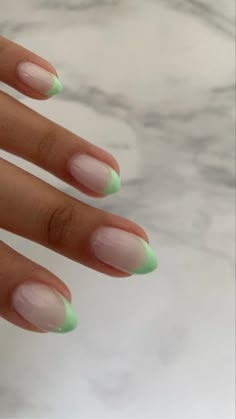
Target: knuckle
46,145
58,224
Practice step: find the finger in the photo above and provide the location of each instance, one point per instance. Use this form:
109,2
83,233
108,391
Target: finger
27,72
102,241
31,297
76,161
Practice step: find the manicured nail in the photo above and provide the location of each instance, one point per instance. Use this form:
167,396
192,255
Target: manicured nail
123,251
39,79
94,174
44,307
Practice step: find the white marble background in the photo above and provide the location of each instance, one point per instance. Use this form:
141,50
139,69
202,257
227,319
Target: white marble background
153,82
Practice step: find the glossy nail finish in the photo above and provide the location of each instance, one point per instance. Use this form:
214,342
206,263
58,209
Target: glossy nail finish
94,174
44,307
38,79
123,251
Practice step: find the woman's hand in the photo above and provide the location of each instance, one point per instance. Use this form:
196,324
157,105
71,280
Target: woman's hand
30,296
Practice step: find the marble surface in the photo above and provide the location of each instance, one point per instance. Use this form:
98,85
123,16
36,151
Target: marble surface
152,82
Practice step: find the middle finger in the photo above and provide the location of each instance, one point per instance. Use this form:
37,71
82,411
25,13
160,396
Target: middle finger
44,143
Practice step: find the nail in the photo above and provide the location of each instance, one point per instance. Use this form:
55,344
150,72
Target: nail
123,251
94,174
39,79
44,307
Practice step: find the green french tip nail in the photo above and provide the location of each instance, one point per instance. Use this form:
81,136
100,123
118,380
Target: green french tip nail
151,262
114,185
56,88
70,322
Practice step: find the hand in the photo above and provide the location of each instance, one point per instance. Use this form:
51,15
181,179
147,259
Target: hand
30,296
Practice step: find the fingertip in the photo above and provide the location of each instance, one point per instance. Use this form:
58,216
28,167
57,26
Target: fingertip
39,80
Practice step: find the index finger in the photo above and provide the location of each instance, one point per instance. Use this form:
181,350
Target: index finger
27,72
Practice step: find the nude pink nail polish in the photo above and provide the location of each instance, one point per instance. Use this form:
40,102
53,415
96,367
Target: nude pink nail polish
38,79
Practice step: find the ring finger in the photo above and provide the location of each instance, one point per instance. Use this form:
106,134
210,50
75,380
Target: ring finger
102,241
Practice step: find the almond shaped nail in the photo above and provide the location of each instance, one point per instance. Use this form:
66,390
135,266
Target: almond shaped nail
123,250
94,174
38,79
44,307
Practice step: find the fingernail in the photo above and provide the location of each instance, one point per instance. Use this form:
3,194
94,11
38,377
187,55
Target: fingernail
123,251
44,307
39,79
94,174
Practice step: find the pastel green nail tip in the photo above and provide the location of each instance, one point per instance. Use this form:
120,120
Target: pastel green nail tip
70,320
114,185
56,88
151,263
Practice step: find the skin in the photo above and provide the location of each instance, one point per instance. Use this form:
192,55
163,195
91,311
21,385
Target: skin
54,219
